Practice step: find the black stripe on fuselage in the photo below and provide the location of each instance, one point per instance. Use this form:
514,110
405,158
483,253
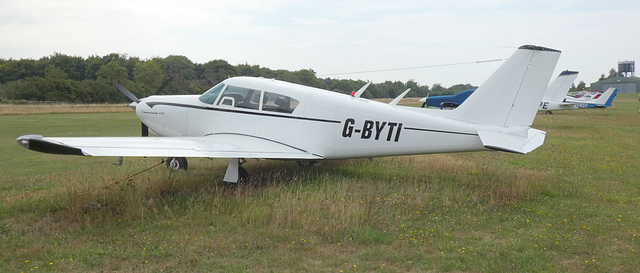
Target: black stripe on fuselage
440,131
152,104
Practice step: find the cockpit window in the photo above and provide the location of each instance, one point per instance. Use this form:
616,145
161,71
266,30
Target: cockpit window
240,97
279,103
210,96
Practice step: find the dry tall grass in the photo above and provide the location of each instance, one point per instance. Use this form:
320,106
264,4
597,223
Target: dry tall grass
31,109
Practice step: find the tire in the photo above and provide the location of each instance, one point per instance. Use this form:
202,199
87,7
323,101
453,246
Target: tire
177,163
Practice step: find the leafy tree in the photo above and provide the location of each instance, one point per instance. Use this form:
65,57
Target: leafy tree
74,79
182,72
112,72
581,86
74,66
344,86
248,70
613,73
19,70
214,72
94,63
148,77
54,73
437,90
308,77
455,89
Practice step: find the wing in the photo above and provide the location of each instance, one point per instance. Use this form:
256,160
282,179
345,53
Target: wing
219,145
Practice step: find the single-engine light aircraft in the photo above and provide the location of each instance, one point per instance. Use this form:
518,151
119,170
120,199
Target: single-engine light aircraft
446,101
603,100
246,117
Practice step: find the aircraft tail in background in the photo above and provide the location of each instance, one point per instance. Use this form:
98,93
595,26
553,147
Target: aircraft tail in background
559,87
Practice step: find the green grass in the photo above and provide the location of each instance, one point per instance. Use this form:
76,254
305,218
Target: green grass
572,205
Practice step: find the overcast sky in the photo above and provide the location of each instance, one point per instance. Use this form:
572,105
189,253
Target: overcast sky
332,37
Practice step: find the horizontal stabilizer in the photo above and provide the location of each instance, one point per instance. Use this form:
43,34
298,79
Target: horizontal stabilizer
512,142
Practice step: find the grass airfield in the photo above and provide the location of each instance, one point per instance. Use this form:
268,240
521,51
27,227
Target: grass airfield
572,205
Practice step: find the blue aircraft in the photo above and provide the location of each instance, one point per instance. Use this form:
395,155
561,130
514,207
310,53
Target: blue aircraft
447,101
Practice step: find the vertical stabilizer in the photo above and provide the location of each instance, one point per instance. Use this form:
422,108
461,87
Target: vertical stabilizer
559,87
604,98
510,97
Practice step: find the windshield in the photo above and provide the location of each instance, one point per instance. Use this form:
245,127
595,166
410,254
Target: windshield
210,96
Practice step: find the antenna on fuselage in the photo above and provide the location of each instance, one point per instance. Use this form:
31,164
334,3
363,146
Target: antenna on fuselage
396,100
359,92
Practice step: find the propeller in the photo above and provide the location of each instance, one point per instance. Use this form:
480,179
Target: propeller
126,92
131,96
425,101
163,85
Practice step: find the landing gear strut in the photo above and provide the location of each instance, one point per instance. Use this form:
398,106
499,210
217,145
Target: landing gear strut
235,171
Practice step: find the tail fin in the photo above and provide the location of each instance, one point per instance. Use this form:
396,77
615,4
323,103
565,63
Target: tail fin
605,97
610,100
510,97
559,87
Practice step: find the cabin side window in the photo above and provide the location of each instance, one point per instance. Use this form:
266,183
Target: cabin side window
275,102
210,96
240,97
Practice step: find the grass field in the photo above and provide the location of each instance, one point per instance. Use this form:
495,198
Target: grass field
572,205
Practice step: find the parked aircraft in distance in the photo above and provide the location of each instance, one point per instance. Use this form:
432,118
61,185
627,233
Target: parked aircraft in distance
446,101
552,99
246,117
604,100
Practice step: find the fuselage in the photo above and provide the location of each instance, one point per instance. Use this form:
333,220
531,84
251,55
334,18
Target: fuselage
318,121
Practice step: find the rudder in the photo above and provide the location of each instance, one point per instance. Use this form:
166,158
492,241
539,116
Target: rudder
511,95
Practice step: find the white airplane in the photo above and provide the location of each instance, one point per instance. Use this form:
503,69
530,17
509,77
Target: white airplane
553,98
247,117
603,100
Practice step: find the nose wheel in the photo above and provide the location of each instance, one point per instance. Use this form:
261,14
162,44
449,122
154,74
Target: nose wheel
177,163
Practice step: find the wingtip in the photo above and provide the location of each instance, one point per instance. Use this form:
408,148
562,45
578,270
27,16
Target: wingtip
39,144
25,140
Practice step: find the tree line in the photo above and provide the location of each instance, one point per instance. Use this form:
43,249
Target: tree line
74,79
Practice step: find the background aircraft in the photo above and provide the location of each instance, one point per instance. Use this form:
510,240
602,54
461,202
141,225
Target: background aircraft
247,117
446,101
555,97
604,100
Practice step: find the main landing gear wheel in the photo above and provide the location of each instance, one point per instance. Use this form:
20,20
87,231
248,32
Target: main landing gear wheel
177,163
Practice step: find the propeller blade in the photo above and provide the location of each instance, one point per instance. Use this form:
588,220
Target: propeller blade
163,85
126,92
